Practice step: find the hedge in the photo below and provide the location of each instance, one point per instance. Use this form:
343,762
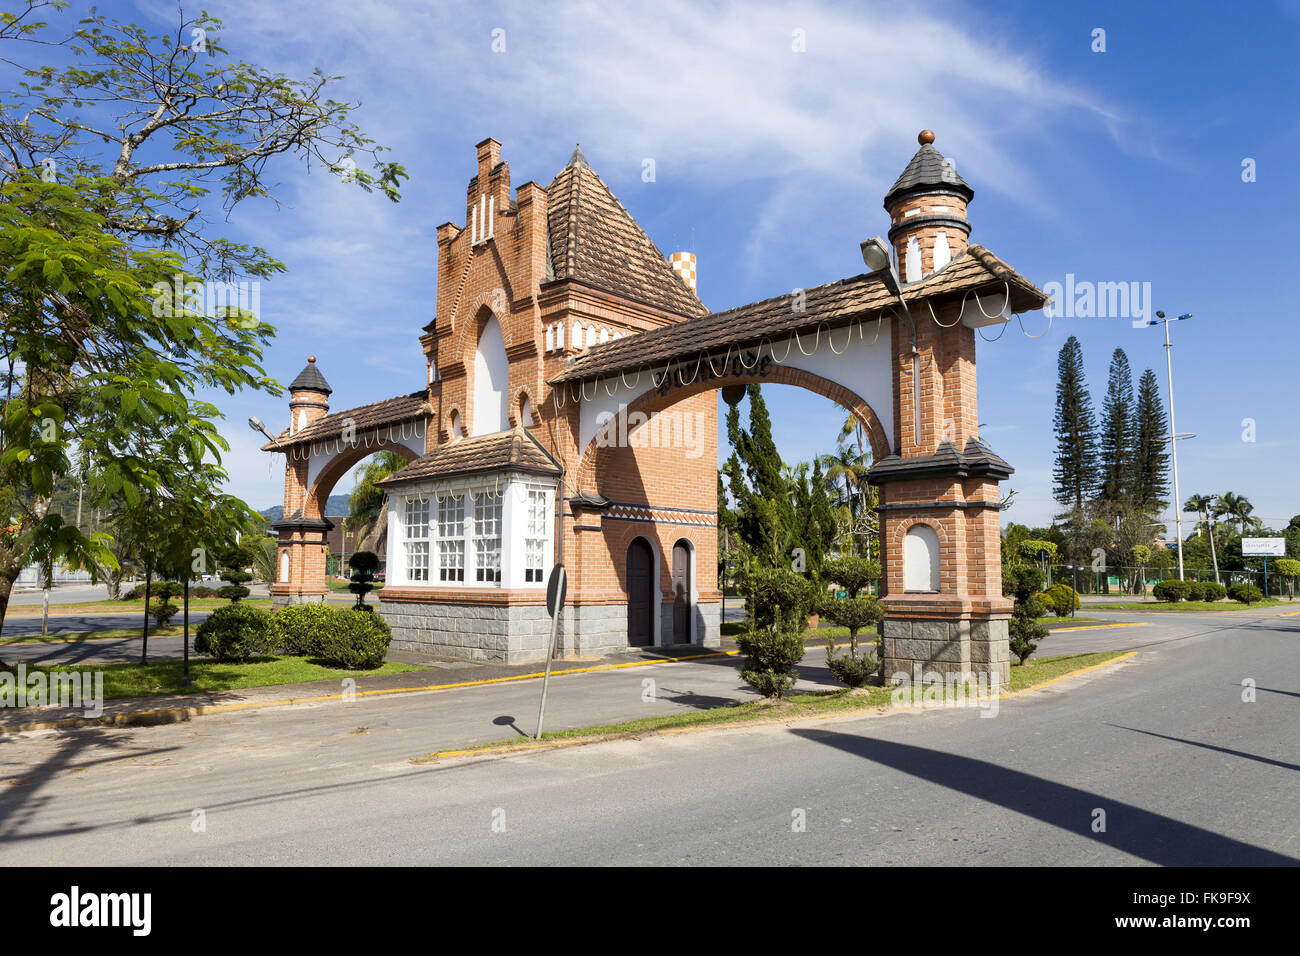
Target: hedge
234,632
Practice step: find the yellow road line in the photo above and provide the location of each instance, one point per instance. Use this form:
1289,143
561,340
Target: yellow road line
1095,627
570,741
200,709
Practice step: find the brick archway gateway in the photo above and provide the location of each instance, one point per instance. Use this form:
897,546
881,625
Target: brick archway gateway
598,325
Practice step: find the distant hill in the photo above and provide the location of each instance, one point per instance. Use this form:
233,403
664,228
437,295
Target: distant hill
335,507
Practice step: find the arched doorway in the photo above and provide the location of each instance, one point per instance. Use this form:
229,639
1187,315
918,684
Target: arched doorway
683,588
640,593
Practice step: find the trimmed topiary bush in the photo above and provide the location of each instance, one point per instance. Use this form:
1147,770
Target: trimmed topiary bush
1213,591
1173,591
777,603
1245,593
234,632
162,612
166,590
353,639
1061,599
297,629
1195,591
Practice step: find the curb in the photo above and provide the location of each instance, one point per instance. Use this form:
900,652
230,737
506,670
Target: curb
598,738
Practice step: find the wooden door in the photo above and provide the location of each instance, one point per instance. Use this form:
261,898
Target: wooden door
640,594
681,593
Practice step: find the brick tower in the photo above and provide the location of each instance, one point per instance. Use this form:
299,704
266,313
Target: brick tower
303,546
939,503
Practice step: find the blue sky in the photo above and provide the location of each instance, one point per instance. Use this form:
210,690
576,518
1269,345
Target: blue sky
1123,165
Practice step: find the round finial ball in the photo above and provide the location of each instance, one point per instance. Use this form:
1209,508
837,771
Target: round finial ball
925,136
311,359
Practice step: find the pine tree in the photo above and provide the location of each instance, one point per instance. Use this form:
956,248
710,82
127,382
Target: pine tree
1074,475
765,513
1118,431
1151,456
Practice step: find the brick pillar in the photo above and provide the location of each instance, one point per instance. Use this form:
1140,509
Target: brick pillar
305,542
941,477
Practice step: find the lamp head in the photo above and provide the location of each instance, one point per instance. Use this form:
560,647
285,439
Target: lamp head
1160,315
876,254
256,425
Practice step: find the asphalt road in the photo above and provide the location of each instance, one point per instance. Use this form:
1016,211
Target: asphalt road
1184,771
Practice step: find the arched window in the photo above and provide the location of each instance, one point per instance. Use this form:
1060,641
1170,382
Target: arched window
455,429
490,371
525,411
284,567
921,559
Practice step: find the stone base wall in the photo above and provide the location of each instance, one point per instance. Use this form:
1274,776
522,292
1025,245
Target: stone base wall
963,646
279,600
517,634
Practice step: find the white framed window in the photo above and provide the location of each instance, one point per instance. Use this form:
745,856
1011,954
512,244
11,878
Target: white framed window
537,535
415,538
487,537
451,539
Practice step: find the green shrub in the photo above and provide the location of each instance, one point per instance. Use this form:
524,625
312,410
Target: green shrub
162,612
853,574
852,669
772,656
1172,590
1061,598
354,639
234,632
1245,593
135,594
1195,591
297,629
1023,630
1021,581
1213,591
166,590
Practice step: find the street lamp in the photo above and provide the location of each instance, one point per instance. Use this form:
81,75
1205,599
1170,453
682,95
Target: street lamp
1173,435
256,425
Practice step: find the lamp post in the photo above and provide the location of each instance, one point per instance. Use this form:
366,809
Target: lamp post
1173,437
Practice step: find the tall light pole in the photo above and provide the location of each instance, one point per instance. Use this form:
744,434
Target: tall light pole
1173,435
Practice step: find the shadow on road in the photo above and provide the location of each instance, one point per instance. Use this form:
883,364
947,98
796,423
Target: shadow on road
1147,835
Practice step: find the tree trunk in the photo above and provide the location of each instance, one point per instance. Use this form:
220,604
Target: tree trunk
9,571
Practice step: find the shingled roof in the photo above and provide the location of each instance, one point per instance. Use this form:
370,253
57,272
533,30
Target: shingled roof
928,170
835,304
513,450
595,241
391,411
310,379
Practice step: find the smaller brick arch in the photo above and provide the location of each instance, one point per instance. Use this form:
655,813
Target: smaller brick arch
339,466
652,402
516,414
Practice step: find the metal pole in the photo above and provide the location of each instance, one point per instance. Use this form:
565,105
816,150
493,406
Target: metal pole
1173,448
546,681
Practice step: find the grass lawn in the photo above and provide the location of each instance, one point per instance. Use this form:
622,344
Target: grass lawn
164,677
114,633
1187,605
124,607
1034,671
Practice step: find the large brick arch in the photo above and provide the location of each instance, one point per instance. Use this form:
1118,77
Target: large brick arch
340,465
652,402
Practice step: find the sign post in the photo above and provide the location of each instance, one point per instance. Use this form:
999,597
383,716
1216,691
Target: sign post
1263,548
556,587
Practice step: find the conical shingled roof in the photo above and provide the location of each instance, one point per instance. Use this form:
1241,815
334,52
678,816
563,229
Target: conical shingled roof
310,379
928,170
595,240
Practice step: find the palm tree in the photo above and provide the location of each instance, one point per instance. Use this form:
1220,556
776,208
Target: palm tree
368,503
1204,505
1237,507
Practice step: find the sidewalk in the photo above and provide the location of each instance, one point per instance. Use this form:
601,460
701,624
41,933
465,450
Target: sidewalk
437,675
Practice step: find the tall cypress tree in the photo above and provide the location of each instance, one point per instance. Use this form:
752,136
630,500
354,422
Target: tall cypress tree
1118,431
1074,474
758,483
1151,454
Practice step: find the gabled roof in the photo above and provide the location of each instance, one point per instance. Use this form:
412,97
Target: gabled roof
513,450
595,241
310,379
831,306
390,411
928,170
